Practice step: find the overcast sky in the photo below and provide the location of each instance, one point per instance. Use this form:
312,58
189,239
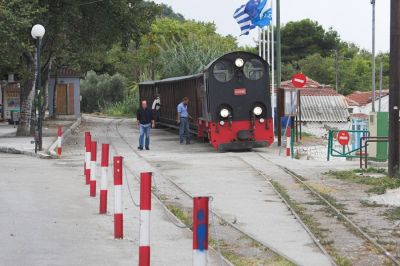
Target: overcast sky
351,18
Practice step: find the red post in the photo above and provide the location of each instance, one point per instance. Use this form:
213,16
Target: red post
93,166
103,182
200,230
88,144
145,209
288,141
59,141
118,213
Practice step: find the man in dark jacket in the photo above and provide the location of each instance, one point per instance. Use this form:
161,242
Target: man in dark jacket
145,121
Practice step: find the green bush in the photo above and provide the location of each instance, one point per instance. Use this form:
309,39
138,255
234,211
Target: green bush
99,92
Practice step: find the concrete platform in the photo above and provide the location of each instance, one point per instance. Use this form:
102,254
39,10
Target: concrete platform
240,194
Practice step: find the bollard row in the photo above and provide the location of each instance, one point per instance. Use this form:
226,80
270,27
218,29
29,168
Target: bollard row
200,204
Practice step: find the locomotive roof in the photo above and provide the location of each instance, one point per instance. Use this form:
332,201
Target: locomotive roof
181,78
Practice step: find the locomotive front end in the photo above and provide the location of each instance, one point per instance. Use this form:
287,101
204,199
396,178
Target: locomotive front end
238,103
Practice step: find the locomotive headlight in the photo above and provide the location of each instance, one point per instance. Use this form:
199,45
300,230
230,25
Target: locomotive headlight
224,113
239,62
257,111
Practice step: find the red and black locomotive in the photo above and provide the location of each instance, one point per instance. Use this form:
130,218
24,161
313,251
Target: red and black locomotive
230,102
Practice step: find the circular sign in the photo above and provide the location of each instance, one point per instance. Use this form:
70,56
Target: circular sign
299,80
343,137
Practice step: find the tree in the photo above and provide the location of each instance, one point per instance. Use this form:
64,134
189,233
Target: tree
174,48
306,37
78,34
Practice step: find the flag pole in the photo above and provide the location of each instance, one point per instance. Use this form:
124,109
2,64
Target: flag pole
278,43
269,45
259,42
264,50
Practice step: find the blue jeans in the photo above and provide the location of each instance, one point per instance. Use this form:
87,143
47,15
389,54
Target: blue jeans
184,130
144,130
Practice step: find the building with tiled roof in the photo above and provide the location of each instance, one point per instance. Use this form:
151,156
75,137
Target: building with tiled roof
322,108
362,98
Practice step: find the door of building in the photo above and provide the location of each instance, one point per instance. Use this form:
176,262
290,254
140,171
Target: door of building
61,106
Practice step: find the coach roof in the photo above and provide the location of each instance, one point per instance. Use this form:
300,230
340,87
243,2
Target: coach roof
174,79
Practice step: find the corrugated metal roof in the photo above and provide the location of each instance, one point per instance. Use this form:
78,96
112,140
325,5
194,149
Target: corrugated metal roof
324,109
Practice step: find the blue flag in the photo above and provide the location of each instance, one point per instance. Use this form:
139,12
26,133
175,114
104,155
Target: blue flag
253,14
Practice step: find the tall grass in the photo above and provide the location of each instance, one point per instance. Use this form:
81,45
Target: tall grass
127,107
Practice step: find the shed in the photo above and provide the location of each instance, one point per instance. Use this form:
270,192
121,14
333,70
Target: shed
64,93
323,110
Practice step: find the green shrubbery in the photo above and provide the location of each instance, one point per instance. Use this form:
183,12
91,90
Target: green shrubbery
108,94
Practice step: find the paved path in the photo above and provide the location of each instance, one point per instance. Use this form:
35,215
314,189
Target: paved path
240,194
170,245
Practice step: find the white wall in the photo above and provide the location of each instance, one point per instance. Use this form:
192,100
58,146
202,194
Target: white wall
322,129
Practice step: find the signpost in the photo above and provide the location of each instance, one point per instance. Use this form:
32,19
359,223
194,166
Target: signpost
299,80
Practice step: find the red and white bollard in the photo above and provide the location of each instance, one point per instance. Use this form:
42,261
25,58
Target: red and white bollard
118,214
93,166
200,231
88,144
145,209
103,182
288,142
59,141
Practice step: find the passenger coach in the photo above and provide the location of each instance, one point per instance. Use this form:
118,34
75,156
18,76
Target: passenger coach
230,102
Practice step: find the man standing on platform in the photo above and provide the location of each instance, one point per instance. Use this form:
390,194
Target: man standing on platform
145,121
183,120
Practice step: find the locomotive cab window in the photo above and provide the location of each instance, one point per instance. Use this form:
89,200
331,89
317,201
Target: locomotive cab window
223,71
253,69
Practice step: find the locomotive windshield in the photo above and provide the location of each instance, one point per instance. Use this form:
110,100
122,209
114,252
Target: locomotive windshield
253,69
223,71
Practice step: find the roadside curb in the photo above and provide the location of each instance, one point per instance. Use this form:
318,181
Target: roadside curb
10,150
51,150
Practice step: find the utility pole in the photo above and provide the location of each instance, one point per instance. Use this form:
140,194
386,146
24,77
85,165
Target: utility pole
337,69
373,57
278,44
393,161
380,86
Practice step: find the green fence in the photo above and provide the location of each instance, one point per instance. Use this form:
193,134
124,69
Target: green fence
348,151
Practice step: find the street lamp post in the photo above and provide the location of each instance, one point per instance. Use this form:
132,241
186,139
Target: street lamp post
37,33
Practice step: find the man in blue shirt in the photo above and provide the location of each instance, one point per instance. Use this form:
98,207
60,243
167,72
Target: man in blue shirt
183,120
145,121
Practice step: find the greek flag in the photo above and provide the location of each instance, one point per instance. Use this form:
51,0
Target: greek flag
256,13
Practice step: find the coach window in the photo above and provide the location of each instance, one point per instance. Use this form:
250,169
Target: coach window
223,71
253,69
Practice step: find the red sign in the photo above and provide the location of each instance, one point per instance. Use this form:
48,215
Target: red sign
343,137
240,92
299,80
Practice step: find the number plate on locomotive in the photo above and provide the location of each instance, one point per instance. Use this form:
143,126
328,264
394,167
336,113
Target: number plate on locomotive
240,92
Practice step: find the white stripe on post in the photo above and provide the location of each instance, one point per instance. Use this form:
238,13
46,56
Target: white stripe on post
118,199
199,257
144,239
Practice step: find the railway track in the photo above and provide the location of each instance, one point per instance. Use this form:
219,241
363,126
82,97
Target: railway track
328,204
292,174
190,197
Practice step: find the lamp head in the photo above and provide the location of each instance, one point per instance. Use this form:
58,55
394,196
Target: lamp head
38,31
